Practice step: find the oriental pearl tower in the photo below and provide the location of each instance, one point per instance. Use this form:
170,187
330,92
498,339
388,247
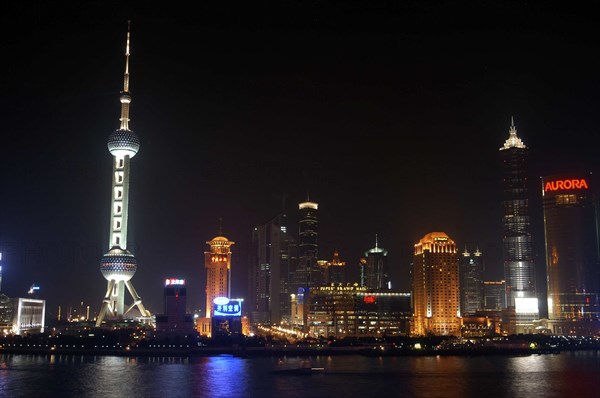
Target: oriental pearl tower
119,265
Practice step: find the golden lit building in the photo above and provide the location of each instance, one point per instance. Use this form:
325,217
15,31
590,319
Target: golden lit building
435,280
218,268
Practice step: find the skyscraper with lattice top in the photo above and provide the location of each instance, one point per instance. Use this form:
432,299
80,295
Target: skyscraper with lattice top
519,267
118,265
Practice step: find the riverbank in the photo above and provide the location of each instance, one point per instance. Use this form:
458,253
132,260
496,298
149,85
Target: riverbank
247,352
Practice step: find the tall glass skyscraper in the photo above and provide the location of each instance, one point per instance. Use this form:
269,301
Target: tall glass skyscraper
519,267
308,273
572,247
471,282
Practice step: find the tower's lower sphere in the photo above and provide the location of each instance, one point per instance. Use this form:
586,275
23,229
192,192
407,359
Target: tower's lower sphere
123,142
118,265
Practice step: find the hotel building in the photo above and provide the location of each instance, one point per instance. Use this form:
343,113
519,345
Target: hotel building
435,279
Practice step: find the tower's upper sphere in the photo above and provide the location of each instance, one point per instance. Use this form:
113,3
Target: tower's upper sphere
118,264
123,142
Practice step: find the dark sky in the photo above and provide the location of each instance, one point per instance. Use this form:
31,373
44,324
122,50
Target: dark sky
389,115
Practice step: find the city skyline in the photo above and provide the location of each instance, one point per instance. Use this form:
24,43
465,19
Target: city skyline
238,115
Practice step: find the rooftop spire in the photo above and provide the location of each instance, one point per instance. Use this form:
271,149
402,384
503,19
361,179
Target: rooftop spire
375,241
126,79
125,97
513,141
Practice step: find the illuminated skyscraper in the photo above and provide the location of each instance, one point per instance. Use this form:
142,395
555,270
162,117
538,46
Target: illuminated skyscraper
471,284
572,261
517,241
218,271
119,265
435,279
273,257
375,269
334,269
308,273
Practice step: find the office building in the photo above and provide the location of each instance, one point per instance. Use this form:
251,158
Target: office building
572,260
435,286
334,270
353,310
174,321
273,257
519,269
494,295
308,273
374,270
471,283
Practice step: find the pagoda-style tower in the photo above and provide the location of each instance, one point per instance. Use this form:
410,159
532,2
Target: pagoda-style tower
119,265
519,267
218,270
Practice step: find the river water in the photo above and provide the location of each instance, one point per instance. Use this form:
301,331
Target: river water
569,374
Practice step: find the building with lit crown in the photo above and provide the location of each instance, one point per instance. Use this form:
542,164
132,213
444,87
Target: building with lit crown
174,321
519,267
471,283
374,270
334,270
119,265
217,262
494,295
435,290
308,273
572,259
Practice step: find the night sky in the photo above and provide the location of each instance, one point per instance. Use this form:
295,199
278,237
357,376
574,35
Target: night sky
389,116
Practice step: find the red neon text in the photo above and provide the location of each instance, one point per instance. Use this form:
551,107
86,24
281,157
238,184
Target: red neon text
565,184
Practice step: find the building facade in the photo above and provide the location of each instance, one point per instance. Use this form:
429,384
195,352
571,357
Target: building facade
494,295
273,257
375,273
217,262
353,310
519,268
435,290
471,283
174,321
334,270
572,247
308,273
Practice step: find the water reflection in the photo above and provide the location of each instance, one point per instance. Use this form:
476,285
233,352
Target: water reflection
567,374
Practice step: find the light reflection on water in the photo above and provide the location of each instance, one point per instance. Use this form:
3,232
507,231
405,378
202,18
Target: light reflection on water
570,374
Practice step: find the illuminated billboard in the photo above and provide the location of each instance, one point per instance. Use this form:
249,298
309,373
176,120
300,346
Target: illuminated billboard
174,281
526,305
222,306
565,184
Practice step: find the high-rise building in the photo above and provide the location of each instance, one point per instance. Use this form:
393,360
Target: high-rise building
494,295
272,259
118,265
308,273
572,247
435,290
471,283
217,262
352,310
375,273
334,270
174,320
519,270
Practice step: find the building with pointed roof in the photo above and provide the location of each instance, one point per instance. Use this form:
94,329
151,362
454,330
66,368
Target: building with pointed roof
517,241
